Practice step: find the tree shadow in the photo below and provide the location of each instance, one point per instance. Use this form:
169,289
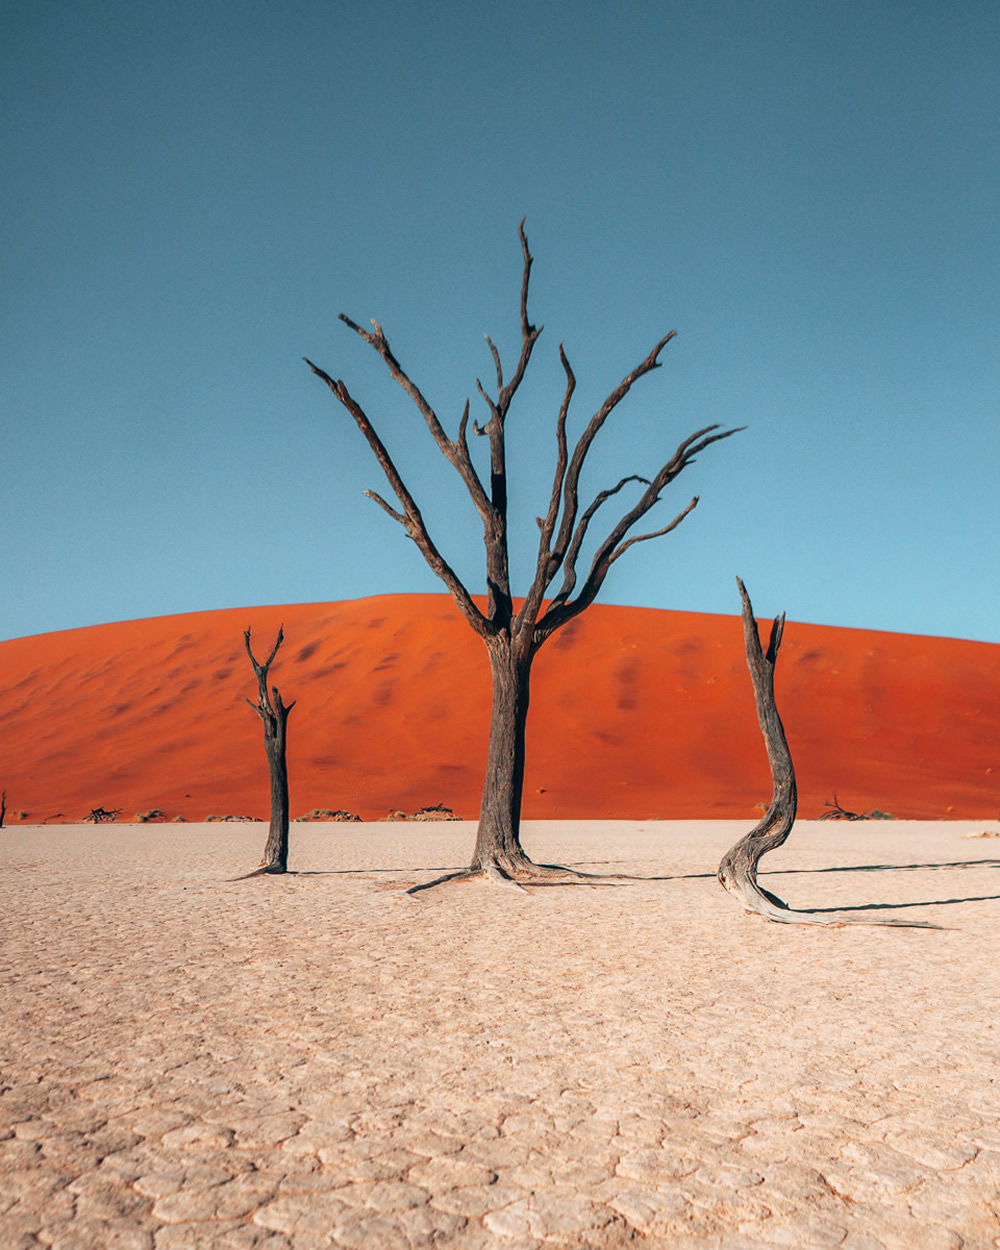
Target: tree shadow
610,879
930,902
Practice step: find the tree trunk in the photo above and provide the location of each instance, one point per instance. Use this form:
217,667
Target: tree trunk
738,870
498,841
274,716
275,732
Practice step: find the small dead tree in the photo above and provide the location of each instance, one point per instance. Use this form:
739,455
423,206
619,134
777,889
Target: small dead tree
274,715
98,815
738,869
512,638
3,808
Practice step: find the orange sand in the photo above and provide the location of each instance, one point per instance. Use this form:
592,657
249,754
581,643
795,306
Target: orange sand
636,714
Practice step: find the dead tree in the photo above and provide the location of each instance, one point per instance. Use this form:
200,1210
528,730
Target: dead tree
3,808
513,637
738,869
98,815
274,715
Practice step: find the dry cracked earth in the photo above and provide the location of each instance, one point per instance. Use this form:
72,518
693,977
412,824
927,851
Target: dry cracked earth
310,1061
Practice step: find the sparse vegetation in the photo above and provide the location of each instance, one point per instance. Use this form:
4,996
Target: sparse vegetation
326,813
153,814
98,815
837,812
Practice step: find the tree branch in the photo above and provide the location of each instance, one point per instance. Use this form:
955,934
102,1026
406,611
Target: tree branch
264,708
572,477
569,578
411,518
396,516
617,542
456,452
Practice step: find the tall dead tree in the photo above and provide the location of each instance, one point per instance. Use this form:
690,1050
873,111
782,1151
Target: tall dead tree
274,715
3,807
513,637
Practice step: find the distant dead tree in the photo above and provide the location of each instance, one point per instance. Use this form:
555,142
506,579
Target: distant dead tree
3,807
274,715
838,812
512,638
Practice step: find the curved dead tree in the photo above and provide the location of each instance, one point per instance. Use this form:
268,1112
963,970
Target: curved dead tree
274,715
738,869
512,638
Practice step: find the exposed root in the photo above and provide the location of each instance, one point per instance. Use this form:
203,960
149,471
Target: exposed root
464,874
265,870
757,901
521,876
542,874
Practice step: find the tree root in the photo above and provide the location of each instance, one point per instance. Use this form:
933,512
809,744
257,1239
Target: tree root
756,901
520,876
265,870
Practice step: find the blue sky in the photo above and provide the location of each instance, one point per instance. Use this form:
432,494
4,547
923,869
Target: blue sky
807,192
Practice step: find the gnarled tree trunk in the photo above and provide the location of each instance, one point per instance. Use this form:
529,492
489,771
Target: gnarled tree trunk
498,839
274,715
738,870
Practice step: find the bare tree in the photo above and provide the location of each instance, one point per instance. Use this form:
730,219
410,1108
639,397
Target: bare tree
3,807
738,869
513,637
274,715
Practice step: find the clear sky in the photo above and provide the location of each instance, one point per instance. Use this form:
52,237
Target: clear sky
809,193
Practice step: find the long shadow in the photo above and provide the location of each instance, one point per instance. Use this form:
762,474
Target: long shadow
959,863
338,872
610,879
931,902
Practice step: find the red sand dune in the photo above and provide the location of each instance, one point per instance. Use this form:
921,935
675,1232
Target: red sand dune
636,714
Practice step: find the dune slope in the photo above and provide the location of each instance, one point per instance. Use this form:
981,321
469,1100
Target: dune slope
636,714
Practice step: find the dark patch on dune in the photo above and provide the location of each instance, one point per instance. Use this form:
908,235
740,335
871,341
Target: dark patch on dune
687,646
327,670
566,636
627,677
325,761
307,651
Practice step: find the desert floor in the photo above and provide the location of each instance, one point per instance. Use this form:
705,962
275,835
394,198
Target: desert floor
313,1061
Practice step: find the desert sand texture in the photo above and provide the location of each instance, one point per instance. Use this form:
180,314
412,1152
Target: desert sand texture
313,1061
636,714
